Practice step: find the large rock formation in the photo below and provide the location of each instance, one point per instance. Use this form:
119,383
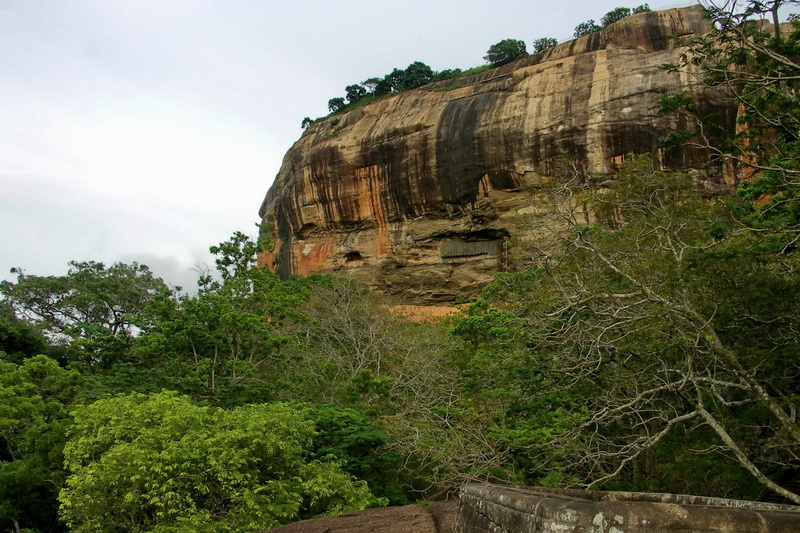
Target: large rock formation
416,194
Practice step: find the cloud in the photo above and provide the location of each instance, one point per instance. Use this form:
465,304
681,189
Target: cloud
173,271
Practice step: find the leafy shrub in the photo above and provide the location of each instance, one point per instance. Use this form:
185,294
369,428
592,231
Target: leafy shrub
160,463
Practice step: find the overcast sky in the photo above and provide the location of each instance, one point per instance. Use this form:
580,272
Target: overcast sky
148,130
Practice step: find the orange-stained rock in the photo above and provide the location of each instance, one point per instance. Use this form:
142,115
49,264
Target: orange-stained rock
416,194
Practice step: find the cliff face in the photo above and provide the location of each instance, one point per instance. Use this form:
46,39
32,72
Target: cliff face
417,193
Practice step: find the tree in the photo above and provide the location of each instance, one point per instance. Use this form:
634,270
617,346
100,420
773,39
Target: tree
92,309
18,338
585,28
346,331
306,123
161,463
336,104
360,443
614,15
224,344
543,43
505,51
34,400
754,62
239,254
355,93
644,8
416,75
371,84
666,325
391,82
352,351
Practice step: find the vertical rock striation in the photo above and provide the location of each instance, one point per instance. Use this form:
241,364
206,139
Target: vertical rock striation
416,194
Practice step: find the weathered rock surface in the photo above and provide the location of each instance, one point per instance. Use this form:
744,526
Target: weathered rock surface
503,509
516,510
408,519
416,194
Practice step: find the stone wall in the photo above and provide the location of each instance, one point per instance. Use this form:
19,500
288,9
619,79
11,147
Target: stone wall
500,509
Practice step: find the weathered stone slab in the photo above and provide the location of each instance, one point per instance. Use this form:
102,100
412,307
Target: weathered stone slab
498,509
444,514
408,519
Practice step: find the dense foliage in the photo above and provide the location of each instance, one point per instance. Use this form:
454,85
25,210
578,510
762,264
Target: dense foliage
756,63
34,400
161,463
656,326
89,311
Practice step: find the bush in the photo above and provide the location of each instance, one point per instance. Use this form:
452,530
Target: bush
160,463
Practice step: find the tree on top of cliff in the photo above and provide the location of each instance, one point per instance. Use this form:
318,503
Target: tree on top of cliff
505,51
614,15
416,75
390,83
355,92
544,43
371,84
585,28
336,104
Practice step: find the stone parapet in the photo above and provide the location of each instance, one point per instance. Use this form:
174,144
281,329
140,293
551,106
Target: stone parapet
499,509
